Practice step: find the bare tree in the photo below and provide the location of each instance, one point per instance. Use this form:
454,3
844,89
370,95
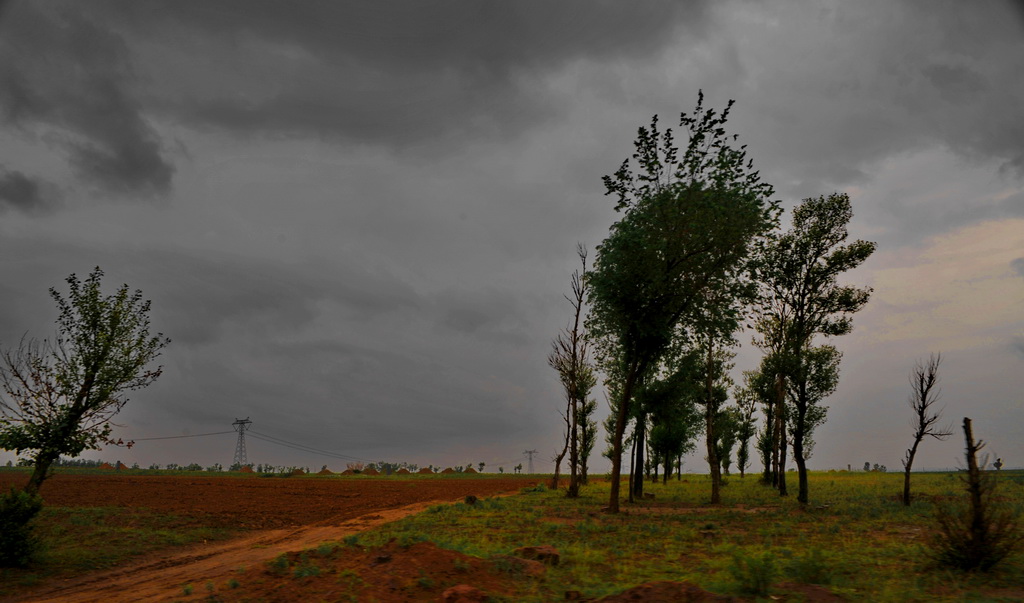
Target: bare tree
924,379
569,359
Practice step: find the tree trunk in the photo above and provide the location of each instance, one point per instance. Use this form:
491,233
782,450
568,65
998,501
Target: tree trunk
565,448
974,486
716,475
638,465
42,466
801,468
798,446
906,471
574,455
620,430
782,463
780,421
558,470
632,473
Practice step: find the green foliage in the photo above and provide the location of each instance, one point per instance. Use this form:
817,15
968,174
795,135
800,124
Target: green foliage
800,298
60,395
810,568
753,573
689,220
280,564
18,545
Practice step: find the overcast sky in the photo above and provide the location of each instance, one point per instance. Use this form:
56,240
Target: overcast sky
357,221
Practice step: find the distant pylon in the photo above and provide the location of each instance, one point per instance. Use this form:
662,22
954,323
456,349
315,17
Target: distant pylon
530,454
240,426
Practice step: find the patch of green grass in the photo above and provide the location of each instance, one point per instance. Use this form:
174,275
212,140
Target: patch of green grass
855,538
78,539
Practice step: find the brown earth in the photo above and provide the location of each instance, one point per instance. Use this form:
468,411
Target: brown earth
289,514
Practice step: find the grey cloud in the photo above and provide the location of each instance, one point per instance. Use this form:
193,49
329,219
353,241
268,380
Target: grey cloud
391,74
1017,345
866,81
211,296
71,78
1018,265
22,192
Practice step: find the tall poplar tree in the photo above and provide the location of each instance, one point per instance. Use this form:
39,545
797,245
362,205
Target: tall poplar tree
689,218
802,298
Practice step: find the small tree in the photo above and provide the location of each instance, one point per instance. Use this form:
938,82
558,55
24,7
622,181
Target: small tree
60,396
982,533
569,359
923,378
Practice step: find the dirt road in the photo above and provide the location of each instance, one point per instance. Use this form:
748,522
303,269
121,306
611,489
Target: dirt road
288,514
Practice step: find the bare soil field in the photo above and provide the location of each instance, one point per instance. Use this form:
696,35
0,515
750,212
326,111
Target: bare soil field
284,514
259,503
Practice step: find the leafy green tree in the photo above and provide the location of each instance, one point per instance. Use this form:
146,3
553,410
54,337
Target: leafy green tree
60,395
801,298
675,418
688,222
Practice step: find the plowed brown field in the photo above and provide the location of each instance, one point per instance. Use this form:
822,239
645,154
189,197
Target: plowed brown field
289,514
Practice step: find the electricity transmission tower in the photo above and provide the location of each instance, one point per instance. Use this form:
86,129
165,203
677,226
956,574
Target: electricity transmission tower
240,426
530,454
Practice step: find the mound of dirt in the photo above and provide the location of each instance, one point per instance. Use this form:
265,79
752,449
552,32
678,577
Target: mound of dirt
325,471
106,466
448,470
420,572
246,469
402,471
426,471
470,470
371,471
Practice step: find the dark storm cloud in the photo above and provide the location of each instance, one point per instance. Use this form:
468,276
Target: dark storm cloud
203,298
391,73
843,88
21,192
69,80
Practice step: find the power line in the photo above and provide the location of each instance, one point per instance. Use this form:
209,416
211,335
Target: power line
195,435
303,447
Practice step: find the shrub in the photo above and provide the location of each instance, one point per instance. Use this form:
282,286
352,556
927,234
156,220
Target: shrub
17,543
981,533
811,568
975,538
754,574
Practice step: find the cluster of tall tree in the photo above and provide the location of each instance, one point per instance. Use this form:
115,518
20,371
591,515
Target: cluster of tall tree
695,255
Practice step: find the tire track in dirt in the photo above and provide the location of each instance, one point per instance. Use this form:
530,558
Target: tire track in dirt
162,579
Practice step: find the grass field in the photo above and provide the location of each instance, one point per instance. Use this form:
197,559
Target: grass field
855,539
